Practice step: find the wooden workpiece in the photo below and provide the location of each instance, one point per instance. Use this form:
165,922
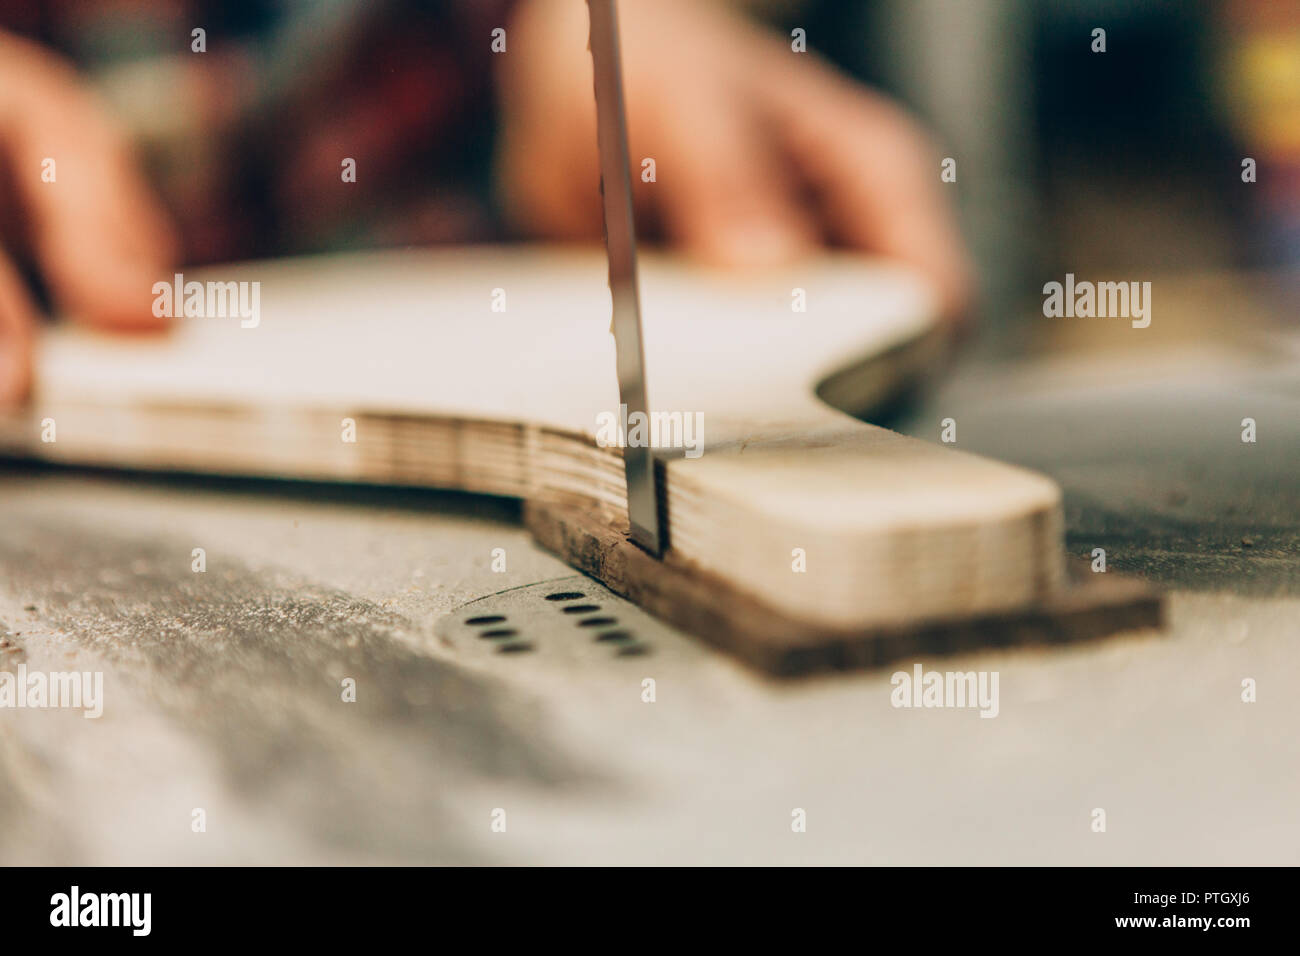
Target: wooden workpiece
700,603
793,506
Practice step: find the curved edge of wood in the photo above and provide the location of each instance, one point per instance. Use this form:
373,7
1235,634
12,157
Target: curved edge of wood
888,529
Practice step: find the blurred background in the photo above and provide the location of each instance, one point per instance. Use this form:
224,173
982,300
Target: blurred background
1125,162
1067,159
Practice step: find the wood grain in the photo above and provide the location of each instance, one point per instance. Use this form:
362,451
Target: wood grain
444,392
765,637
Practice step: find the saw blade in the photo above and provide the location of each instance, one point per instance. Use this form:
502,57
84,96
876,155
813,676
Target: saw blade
620,245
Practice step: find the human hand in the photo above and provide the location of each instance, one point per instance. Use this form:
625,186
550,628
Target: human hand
88,222
761,153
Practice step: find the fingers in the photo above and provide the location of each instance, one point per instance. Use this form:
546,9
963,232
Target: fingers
721,188
876,173
549,191
18,318
738,132
547,161
98,235
723,191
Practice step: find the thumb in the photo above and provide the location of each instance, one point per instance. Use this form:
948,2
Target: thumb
18,316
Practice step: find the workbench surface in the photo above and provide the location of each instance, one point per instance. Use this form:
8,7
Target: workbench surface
222,688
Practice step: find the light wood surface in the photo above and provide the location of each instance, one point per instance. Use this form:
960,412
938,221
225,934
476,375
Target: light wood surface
445,392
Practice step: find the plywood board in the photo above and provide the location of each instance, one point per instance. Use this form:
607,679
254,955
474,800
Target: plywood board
829,520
